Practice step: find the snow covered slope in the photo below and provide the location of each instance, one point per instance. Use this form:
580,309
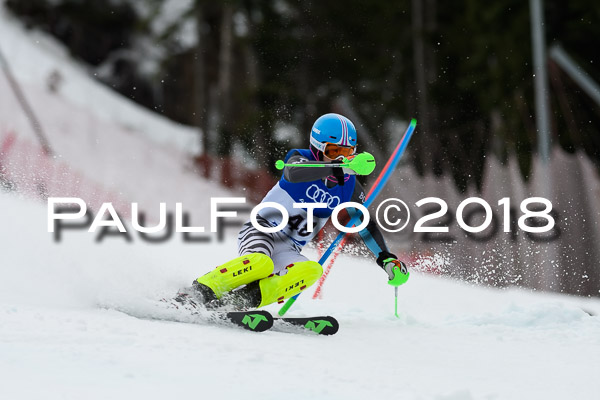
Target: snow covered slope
107,148
39,61
62,338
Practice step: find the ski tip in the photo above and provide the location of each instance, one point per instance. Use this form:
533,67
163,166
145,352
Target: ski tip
413,122
279,164
325,325
256,321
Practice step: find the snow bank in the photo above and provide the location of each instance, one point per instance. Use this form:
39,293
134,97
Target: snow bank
107,148
74,85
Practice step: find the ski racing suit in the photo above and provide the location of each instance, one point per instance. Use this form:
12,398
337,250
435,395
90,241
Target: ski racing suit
305,185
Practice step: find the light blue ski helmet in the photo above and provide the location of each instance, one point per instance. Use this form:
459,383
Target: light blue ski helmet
332,128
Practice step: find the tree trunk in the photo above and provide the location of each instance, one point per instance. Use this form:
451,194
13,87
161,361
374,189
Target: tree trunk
420,81
225,76
199,82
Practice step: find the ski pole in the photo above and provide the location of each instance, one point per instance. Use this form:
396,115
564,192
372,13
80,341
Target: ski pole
280,164
361,164
396,302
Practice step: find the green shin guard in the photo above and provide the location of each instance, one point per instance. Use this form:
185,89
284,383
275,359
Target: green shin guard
299,276
237,272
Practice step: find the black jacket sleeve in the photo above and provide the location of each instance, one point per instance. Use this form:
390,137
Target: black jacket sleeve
371,235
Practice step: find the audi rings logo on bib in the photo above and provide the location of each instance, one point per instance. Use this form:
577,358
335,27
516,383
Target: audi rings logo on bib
318,195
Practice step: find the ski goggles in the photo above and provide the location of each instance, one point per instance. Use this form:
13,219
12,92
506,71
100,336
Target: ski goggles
333,151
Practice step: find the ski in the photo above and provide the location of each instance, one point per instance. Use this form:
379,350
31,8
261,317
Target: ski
320,325
255,321
260,321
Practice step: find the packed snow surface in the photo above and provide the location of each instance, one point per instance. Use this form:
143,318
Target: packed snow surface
64,335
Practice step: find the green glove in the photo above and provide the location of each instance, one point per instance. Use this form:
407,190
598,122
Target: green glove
397,272
360,164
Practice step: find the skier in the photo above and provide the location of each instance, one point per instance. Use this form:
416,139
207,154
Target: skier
270,267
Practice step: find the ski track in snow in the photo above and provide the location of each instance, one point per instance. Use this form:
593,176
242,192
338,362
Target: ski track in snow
61,335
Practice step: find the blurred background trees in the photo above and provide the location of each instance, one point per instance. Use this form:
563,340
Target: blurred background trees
254,75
